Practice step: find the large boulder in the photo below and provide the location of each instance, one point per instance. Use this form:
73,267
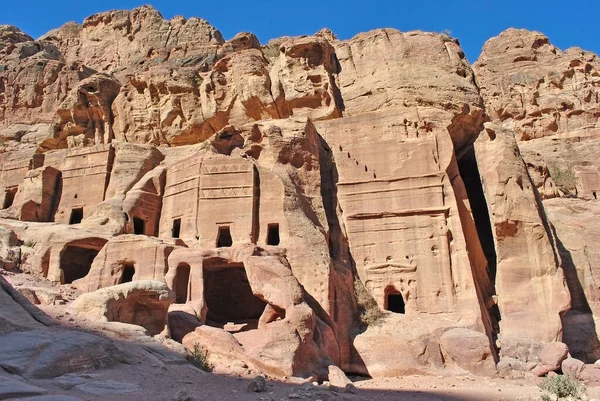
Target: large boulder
338,379
143,303
572,367
469,349
554,354
590,374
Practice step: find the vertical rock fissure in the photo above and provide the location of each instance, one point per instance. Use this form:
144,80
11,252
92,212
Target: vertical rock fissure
469,172
347,318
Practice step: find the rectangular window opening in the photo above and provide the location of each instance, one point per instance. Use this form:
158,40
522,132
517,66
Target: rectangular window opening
176,229
76,215
273,234
9,198
224,237
139,226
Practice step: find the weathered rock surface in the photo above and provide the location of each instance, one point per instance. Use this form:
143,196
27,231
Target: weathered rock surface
143,303
303,204
553,354
338,379
590,375
118,42
469,349
536,89
257,385
549,99
30,348
572,367
527,269
11,388
386,69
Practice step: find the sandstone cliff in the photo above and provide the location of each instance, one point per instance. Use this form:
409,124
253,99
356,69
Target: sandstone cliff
372,203
548,100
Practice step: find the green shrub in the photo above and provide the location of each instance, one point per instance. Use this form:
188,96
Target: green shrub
562,387
29,244
564,177
271,50
199,358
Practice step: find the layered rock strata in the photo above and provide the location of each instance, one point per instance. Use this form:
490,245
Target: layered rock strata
310,202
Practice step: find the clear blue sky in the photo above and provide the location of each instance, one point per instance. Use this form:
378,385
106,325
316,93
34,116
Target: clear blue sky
571,23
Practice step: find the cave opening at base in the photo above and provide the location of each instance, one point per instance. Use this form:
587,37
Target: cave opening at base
128,273
75,263
394,302
181,283
229,299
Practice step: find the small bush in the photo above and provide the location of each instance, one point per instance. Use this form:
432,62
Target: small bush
29,244
199,358
271,50
564,177
198,80
13,258
562,387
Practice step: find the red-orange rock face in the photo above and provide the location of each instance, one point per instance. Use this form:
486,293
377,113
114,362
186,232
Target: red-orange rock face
310,202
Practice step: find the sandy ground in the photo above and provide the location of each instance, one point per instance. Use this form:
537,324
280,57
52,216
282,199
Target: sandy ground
162,382
159,384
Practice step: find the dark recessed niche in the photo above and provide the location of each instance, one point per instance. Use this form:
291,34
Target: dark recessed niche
76,215
224,237
273,234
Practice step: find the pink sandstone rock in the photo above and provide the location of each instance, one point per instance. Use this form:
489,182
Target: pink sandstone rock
311,201
590,375
572,367
525,82
142,302
526,264
554,354
469,349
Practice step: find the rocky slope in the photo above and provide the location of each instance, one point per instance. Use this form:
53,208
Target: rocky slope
374,203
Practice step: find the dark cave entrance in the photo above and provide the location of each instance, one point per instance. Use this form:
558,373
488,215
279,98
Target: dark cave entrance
75,263
139,226
224,239
9,197
76,215
394,301
228,295
273,234
176,228
182,283
128,273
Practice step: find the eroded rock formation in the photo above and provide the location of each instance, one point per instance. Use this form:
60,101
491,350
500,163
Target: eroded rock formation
310,202
547,99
